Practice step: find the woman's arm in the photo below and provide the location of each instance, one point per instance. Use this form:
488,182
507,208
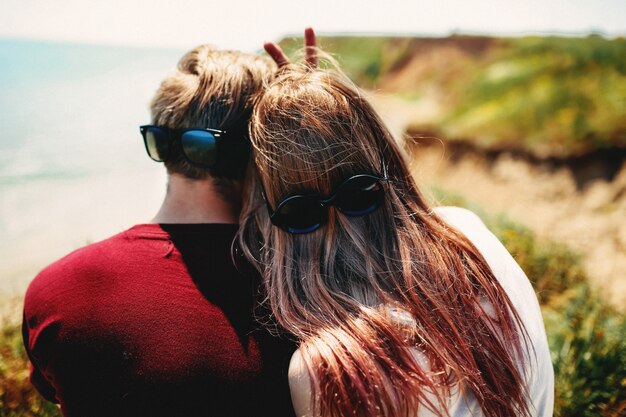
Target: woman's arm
300,385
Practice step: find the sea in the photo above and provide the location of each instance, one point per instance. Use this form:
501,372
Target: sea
73,168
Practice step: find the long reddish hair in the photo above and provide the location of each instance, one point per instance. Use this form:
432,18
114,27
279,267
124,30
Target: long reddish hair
364,294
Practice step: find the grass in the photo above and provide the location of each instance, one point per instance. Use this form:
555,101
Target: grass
18,398
553,95
588,351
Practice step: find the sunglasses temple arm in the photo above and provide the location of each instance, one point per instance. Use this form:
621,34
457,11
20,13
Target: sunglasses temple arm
270,210
384,169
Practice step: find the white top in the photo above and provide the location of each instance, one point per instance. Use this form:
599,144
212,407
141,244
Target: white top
539,371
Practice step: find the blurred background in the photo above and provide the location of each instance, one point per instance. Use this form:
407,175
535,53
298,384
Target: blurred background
516,110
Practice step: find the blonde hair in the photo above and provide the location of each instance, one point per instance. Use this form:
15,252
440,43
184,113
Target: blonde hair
333,288
212,89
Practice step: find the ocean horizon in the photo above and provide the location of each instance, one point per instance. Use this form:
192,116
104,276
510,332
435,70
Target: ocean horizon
73,169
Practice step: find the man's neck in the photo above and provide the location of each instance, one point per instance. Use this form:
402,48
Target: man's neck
195,201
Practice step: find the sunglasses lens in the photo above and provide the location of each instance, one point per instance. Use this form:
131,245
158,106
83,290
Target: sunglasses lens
360,195
200,147
299,215
157,143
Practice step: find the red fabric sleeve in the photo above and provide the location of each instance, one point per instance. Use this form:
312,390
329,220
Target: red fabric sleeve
37,378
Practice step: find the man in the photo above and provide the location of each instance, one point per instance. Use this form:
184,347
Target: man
159,320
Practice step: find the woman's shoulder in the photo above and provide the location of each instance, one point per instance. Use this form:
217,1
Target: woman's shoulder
461,218
504,267
472,227
509,274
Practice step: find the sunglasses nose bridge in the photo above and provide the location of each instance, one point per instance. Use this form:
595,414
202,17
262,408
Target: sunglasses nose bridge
327,202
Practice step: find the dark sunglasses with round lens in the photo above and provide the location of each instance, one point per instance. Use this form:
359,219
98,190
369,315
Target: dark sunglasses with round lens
358,195
198,145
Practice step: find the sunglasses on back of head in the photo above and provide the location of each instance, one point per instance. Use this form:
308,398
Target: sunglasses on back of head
359,195
198,146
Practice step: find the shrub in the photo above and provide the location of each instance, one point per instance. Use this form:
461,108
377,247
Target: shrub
548,95
588,351
18,398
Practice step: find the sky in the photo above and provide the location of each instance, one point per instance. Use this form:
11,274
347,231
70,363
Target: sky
245,25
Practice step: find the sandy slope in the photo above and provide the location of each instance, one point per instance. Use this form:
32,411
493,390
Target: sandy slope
591,220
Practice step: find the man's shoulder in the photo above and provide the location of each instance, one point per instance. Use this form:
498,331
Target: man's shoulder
88,254
82,262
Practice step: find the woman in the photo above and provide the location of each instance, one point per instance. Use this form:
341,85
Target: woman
401,310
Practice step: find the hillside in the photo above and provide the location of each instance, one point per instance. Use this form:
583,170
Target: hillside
545,96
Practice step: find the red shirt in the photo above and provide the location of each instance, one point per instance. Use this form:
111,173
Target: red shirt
154,321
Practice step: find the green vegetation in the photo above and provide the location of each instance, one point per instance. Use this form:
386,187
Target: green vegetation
588,352
18,398
550,96
586,336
